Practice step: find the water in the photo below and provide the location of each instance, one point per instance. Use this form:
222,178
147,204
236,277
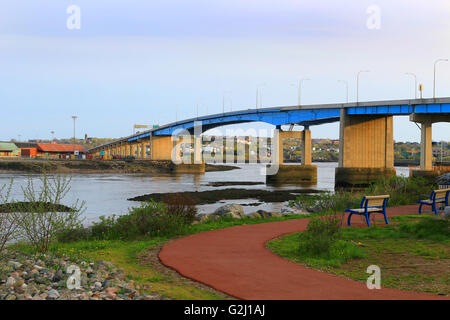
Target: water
107,194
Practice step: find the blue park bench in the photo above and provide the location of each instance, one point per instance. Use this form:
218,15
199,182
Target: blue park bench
370,204
436,197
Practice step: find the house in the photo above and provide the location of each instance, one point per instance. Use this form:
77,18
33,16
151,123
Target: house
9,149
60,151
27,149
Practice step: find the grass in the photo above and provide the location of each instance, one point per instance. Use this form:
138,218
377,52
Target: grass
413,253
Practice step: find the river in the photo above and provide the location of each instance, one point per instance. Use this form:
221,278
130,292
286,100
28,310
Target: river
107,194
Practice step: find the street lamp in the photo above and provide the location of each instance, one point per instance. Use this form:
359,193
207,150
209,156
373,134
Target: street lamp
74,119
346,85
300,90
357,84
223,101
434,78
415,82
258,95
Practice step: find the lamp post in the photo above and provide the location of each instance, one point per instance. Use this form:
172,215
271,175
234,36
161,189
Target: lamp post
434,77
415,83
346,85
223,101
300,90
258,95
74,120
357,84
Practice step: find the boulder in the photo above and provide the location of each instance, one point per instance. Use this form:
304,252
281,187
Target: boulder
264,214
206,217
230,210
254,215
446,213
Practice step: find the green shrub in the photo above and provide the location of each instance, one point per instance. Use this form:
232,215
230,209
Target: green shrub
181,206
151,219
320,235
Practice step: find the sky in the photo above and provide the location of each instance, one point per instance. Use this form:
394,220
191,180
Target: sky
152,62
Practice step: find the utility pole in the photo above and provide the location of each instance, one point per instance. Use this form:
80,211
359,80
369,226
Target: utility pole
74,120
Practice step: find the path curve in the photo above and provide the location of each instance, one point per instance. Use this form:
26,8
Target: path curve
235,261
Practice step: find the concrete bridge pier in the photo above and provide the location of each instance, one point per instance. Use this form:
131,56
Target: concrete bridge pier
366,149
426,143
304,173
166,148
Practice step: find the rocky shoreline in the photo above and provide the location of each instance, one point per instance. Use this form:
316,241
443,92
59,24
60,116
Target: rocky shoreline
214,196
95,166
46,277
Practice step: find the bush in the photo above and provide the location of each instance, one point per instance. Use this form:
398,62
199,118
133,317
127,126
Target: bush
182,206
320,235
151,219
8,220
40,220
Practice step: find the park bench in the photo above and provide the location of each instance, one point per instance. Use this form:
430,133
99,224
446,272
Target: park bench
436,197
370,204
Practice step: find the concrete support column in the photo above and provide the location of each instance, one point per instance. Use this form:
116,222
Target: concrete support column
305,173
426,147
198,150
143,147
366,149
306,147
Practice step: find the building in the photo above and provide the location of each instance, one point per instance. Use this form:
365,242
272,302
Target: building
61,151
27,149
9,149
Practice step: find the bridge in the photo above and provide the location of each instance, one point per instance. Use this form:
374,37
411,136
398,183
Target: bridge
366,149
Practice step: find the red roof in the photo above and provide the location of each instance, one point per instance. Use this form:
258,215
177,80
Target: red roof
66,148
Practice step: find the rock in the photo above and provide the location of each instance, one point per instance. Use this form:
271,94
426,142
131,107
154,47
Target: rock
10,282
15,265
254,215
98,285
264,214
58,276
53,294
230,210
207,217
276,214
111,292
446,213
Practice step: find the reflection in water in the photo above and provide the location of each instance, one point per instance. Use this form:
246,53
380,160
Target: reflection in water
107,194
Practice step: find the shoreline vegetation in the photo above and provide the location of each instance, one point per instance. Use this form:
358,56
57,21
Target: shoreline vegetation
95,166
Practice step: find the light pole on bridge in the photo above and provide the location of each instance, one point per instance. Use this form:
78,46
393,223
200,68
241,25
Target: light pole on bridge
415,82
300,90
434,77
258,95
357,84
346,85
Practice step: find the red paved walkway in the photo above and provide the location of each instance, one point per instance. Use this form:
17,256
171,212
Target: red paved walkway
235,261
